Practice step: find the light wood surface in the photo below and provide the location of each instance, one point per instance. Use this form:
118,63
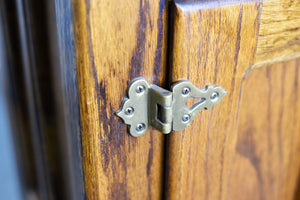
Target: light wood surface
279,32
266,162
244,148
247,147
211,46
117,41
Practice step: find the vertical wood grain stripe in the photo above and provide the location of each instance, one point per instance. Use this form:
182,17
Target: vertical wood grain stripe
117,41
210,46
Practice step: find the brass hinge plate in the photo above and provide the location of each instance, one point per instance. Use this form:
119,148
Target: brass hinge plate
164,110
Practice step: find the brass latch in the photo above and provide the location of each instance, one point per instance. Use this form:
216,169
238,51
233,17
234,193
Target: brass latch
162,109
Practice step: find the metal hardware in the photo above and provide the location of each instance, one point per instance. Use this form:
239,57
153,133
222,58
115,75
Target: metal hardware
162,109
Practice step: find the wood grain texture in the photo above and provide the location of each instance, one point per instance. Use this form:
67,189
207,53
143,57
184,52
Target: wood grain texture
117,41
266,161
210,46
247,147
279,33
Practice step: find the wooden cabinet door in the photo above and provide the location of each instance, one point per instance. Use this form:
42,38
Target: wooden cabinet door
83,55
117,41
247,147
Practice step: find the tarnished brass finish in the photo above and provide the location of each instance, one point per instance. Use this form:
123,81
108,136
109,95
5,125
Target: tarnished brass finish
162,109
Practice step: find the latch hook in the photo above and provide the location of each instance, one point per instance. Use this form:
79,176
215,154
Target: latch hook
162,109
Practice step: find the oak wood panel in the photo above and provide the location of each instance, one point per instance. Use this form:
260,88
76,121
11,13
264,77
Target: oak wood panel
117,41
266,162
210,46
247,147
279,32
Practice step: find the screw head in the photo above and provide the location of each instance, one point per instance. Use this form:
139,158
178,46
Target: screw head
186,117
214,96
140,89
140,127
186,91
129,111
